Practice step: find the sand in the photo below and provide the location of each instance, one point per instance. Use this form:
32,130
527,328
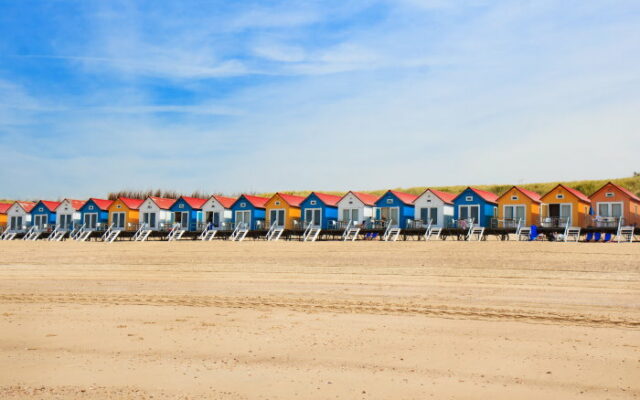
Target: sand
326,320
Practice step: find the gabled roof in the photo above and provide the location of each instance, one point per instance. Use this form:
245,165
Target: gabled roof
291,200
51,205
76,204
366,198
226,202
581,196
327,199
193,202
444,196
622,189
4,207
406,198
255,201
132,204
101,203
484,195
530,194
27,206
162,203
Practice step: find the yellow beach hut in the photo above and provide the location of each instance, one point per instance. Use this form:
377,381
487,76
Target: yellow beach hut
124,213
284,209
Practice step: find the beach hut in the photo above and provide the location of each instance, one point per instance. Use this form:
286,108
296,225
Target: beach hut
155,212
68,214
435,206
187,211
396,207
43,214
321,209
563,204
19,215
4,207
124,213
475,204
94,213
284,210
217,211
250,210
519,205
612,202
356,207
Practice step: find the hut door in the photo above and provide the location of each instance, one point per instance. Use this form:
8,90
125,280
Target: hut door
91,221
16,223
313,215
276,216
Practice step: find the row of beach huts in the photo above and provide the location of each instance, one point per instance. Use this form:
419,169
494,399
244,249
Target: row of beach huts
560,213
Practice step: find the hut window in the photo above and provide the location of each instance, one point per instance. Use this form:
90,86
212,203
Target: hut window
559,196
350,201
313,202
428,200
468,198
119,206
40,209
181,206
243,205
389,201
514,197
277,203
90,207
609,194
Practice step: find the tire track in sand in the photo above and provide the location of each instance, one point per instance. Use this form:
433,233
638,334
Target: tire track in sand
324,305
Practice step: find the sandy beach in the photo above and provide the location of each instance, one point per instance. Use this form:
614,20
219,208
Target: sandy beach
325,320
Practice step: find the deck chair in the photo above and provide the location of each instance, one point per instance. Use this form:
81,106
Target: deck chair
374,235
589,237
607,237
597,236
533,235
367,236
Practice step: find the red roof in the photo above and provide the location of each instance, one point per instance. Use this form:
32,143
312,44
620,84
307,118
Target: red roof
26,205
4,207
366,198
487,196
51,205
226,202
293,201
164,204
444,196
406,198
132,204
327,199
194,202
576,193
255,201
530,194
76,204
101,203
622,189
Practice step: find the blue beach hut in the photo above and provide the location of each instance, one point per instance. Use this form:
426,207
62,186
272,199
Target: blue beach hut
95,213
43,214
396,207
475,204
250,210
321,209
187,211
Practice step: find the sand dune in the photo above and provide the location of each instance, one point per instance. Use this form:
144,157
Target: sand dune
363,320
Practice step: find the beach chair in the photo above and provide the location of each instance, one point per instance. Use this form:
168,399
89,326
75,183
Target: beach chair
374,235
367,236
597,236
533,235
589,237
607,237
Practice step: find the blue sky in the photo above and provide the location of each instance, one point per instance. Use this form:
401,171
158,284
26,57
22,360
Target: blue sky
334,95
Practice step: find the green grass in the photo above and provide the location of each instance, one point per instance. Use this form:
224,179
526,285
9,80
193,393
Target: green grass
587,187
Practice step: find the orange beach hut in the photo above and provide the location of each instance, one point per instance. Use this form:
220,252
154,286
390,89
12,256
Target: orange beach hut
519,204
563,203
612,202
124,213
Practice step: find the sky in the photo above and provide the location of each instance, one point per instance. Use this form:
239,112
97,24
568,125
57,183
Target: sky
261,96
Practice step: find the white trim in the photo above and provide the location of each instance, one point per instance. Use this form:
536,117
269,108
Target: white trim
504,212
609,204
469,216
317,223
248,212
84,218
284,220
